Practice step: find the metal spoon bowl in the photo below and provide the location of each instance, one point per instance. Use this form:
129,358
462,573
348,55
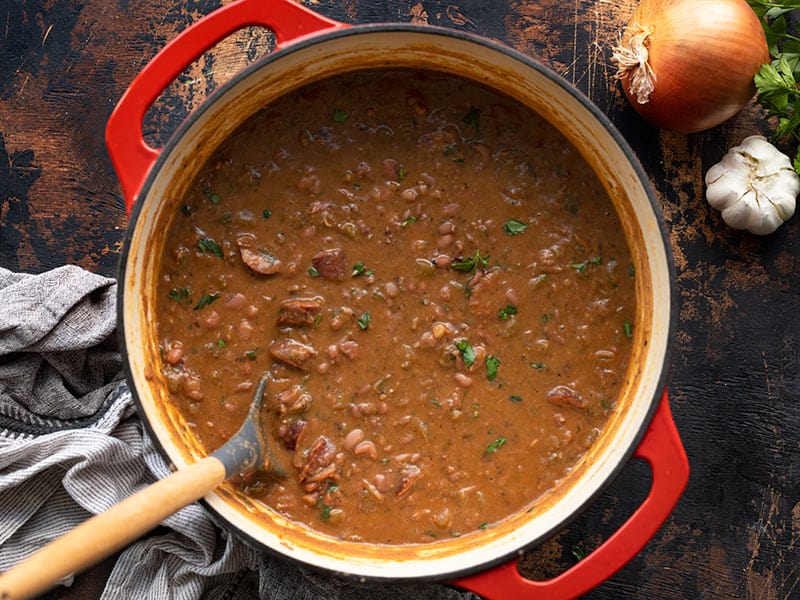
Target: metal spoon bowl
107,532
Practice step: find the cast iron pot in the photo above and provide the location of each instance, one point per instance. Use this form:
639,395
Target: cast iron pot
310,47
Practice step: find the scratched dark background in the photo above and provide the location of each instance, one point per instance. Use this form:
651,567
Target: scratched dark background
734,382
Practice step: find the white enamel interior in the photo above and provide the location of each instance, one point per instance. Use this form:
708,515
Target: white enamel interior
546,93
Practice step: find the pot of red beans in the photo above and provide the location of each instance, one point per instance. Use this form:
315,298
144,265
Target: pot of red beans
454,271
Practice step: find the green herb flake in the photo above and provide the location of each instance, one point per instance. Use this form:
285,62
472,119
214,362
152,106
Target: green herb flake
324,513
251,354
579,551
313,272
360,269
408,221
266,213
495,445
537,365
206,300
466,351
472,118
471,263
483,526
492,364
514,227
221,343
434,401
209,246
507,312
340,115
227,217
401,173
179,294
357,187
515,398
581,267
364,320
628,329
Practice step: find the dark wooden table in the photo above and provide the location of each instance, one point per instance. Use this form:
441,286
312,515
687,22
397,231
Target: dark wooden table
734,384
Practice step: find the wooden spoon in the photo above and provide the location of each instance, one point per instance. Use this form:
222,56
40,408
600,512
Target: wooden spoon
107,532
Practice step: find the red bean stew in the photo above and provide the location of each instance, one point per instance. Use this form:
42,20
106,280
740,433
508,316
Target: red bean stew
438,284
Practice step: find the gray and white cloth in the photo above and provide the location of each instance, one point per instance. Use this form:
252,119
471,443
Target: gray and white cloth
72,445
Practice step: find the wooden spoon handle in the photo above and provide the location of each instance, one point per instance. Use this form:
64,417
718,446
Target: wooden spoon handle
104,534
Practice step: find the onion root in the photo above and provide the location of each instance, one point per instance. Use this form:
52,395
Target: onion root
633,63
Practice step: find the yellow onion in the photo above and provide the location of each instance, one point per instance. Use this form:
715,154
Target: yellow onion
688,65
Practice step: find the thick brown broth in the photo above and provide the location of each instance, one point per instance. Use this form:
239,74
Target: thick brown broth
438,284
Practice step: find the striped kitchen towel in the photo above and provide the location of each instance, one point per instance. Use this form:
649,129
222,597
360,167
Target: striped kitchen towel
71,445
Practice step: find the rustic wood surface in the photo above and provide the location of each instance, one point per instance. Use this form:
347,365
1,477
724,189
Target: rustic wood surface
734,383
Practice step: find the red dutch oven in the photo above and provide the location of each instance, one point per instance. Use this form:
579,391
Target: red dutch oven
310,47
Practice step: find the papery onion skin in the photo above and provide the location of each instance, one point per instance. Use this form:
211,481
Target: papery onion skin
703,53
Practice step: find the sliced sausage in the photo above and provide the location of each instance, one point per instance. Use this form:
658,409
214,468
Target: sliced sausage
331,264
299,312
292,352
257,259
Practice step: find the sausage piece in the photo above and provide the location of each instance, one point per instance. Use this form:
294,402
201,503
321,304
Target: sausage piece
292,352
256,259
299,312
331,264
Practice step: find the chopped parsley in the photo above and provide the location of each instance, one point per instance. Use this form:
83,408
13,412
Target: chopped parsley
408,221
313,272
209,246
251,354
227,217
340,115
472,118
515,398
628,329
514,227
324,513
581,267
266,213
492,363
401,173
364,320
471,263
506,312
206,300
221,343
179,294
537,365
495,445
579,551
466,351
215,198
360,269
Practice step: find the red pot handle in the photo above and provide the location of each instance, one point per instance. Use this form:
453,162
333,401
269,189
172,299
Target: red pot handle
661,447
131,155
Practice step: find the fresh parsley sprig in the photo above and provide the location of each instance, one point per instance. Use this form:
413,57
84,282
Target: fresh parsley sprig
777,81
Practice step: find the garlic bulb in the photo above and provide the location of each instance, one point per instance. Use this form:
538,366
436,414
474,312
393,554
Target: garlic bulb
754,185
